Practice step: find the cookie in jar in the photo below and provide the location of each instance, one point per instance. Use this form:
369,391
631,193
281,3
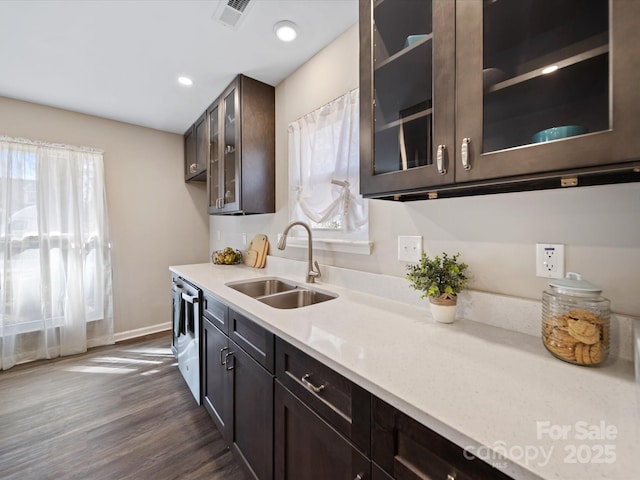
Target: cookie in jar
575,321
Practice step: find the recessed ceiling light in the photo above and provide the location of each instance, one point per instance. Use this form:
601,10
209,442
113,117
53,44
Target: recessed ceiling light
550,69
186,81
285,30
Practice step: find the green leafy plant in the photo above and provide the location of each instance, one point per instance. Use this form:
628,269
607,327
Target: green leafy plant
440,278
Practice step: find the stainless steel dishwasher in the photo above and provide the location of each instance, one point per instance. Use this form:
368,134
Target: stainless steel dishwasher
185,342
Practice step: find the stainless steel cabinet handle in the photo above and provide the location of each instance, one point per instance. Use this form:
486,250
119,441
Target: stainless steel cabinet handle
193,167
440,159
310,385
359,476
222,361
189,298
466,163
229,365
451,477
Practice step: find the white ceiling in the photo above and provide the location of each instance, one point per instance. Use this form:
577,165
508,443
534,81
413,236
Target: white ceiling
120,59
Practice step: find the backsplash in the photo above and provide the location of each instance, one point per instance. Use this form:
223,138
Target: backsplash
511,313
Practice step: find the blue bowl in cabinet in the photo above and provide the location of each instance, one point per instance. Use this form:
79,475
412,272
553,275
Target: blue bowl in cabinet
557,133
411,39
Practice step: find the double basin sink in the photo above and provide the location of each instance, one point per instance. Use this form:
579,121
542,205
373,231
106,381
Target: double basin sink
279,293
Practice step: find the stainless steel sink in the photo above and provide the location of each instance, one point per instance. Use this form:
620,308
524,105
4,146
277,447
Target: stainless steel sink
296,298
278,293
262,287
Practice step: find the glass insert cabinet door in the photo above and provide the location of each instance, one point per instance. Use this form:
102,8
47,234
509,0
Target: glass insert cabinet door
545,66
214,157
404,134
224,153
230,143
543,85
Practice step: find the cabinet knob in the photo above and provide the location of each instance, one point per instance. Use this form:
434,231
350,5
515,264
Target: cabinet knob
193,167
466,163
359,476
451,476
309,385
440,159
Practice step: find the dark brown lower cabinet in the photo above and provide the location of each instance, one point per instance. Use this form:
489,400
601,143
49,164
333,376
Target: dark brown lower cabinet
252,413
338,401
238,394
217,382
307,447
408,450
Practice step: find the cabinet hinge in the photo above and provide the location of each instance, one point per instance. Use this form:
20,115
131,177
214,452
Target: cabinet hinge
569,181
432,195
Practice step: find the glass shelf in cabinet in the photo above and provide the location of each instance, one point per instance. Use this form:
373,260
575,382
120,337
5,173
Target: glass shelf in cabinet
540,71
424,42
396,123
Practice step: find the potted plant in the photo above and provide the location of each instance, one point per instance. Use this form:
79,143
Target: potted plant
440,279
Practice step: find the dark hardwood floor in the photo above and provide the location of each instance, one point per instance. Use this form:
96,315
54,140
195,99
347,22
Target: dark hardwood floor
115,413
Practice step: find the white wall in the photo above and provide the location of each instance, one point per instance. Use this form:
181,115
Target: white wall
155,219
496,234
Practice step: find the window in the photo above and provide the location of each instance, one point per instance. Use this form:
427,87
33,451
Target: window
324,178
55,269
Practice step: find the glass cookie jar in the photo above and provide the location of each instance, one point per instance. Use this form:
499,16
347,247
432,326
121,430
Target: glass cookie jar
575,321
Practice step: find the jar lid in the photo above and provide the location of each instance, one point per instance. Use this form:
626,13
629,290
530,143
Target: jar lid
573,283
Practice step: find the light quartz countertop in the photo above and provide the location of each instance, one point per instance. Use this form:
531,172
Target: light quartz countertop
496,392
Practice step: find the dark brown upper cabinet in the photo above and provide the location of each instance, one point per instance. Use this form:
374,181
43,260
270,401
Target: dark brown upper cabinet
241,148
454,93
196,151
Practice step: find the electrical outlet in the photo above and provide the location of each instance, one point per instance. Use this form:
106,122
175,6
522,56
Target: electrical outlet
409,248
549,260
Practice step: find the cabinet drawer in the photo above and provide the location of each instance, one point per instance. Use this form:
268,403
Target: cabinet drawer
216,312
408,450
340,402
252,338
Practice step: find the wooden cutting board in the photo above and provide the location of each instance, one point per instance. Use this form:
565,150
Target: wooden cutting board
257,252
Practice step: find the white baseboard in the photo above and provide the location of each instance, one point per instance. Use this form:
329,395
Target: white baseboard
141,332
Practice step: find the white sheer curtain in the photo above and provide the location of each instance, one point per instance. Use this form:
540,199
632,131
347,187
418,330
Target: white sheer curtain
55,263
324,168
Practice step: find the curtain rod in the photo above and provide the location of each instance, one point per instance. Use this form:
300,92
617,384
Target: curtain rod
326,104
38,143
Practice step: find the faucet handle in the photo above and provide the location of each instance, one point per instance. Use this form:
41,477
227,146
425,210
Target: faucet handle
316,273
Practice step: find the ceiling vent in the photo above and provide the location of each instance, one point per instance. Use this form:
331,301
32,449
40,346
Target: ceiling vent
231,12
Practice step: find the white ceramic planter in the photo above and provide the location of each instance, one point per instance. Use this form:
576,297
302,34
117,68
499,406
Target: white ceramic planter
443,313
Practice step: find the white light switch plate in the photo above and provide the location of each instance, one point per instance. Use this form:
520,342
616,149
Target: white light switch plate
409,248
